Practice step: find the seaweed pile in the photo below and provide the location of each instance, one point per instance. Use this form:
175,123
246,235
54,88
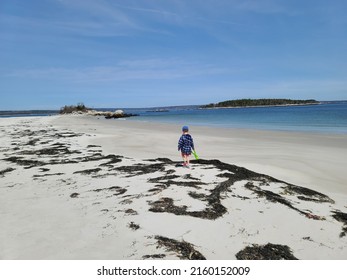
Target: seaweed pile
266,252
341,217
183,250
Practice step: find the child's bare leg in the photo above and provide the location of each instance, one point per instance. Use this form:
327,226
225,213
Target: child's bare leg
184,159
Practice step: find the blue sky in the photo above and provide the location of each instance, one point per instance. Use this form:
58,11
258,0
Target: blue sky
143,53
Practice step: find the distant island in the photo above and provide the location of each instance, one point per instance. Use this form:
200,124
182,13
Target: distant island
81,109
259,102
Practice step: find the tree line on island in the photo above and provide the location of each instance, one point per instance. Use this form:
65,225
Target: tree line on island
260,102
69,109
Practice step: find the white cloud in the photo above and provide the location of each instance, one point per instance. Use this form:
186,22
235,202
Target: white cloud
148,69
74,17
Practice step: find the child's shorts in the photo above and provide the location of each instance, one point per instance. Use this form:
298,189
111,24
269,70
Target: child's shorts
185,154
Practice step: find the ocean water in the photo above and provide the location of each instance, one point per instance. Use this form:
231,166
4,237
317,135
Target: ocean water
328,117
27,113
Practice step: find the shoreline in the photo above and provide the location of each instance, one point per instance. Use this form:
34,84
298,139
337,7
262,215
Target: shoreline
91,185
306,123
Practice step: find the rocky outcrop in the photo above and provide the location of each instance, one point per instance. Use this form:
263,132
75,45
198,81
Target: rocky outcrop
107,114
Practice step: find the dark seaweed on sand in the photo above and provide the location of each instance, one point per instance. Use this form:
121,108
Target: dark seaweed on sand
88,171
214,208
47,175
276,198
183,250
25,162
141,169
341,217
50,151
266,252
74,195
154,256
134,226
307,194
117,190
7,170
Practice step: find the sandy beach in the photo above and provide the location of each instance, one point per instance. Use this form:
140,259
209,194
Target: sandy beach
78,187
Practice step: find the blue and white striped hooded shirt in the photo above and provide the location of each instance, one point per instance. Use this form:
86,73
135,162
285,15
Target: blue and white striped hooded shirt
186,144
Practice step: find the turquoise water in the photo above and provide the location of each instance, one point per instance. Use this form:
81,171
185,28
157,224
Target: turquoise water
323,118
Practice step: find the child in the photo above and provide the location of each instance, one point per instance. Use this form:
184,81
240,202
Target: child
185,145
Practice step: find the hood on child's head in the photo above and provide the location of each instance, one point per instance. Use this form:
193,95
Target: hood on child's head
185,128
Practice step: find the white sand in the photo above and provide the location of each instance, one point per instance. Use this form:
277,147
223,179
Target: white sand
41,221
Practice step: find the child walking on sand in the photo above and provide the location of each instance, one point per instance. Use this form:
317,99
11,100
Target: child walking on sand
185,145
